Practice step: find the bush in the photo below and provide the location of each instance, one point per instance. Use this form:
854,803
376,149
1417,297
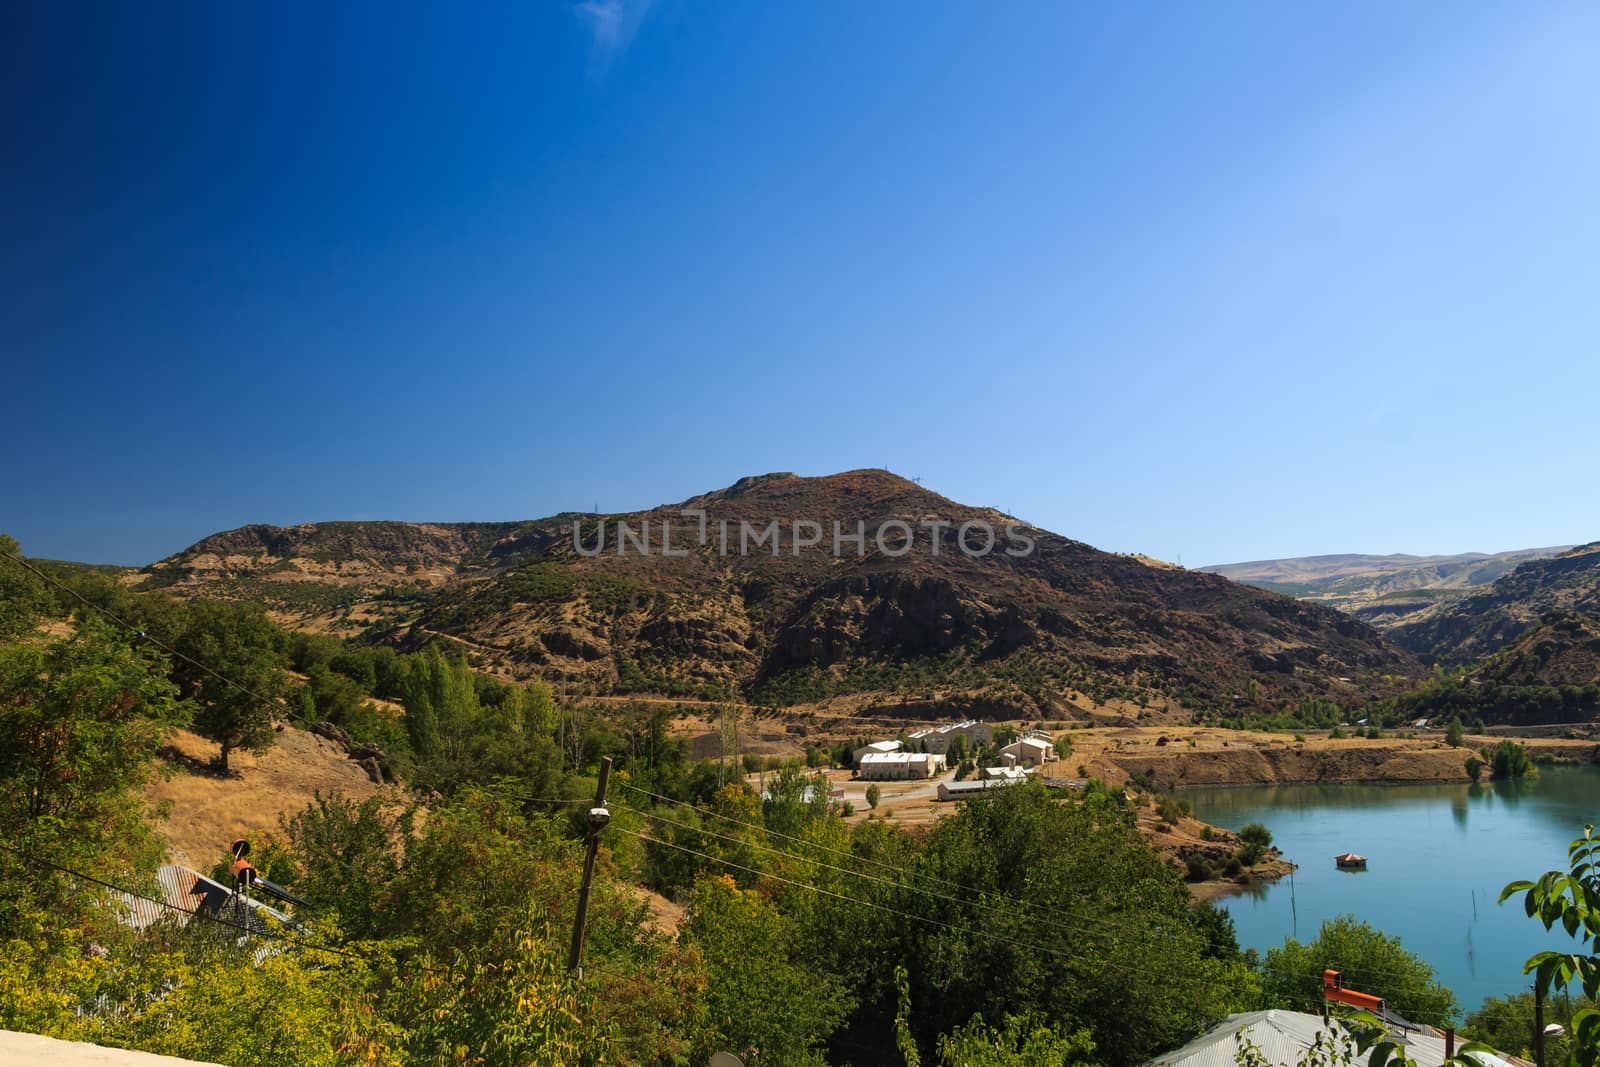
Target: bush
1207,833
1170,810
1337,733
1256,834
1474,768
1232,867
873,794
1200,870
1509,760
1250,853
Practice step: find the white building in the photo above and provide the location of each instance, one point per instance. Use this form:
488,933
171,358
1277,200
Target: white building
876,746
1009,773
938,738
892,766
1030,751
972,787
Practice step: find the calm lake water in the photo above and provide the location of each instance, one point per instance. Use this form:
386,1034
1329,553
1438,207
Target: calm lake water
1438,856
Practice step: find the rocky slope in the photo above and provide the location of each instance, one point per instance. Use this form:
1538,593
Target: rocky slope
723,603
1490,619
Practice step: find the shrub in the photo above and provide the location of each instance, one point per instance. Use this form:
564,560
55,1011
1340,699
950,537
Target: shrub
1474,768
1200,870
1207,833
1256,834
1337,733
1170,810
1232,867
1250,853
1509,760
873,794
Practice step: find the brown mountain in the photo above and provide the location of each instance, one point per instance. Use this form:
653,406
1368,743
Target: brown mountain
1488,620
1562,648
754,602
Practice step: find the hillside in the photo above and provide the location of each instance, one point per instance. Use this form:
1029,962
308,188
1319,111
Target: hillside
1062,630
1488,620
1386,591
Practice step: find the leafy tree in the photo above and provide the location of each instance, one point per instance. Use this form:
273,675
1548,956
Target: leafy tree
1506,1023
1091,905
237,704
23,595
1020,1041
1256,834
874,794
1571,898
1454,735
761,1002
80,722
1509,760
1369,960
349,857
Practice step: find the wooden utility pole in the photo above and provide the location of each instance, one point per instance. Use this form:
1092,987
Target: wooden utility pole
598,817
1538,1025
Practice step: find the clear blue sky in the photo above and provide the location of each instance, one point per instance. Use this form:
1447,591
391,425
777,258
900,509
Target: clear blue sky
1205,281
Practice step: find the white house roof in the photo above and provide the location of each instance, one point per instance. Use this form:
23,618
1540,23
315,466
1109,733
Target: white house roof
1006,772
883,746
1283,1038
893,757
1032,742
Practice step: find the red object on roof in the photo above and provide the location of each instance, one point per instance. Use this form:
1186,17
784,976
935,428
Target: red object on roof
1333,989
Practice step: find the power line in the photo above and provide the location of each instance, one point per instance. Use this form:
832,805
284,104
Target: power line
195,913
1014,905
288,710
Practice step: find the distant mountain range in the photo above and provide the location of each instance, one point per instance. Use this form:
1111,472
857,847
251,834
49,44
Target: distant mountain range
921,627
1386,591
1530,617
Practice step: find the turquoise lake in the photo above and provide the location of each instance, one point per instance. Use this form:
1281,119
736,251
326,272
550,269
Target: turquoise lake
1438,856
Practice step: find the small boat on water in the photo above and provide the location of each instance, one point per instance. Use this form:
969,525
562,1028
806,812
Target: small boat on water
1349,861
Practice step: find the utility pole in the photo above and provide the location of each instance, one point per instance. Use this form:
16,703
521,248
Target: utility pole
1538,1025
598,817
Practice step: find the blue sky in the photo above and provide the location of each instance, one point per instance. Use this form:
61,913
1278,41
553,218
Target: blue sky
1210,282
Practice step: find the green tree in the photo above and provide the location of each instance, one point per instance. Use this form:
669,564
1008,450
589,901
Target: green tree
1020,1041
1509,760
1571,898
1089,905
80,721
23,595
230,665
1454,735
349,856
874,794
1369,960
1506,1023
762,1002
1256,834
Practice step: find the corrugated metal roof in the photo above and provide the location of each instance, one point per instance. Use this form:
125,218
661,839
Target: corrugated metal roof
184,891
1284,1036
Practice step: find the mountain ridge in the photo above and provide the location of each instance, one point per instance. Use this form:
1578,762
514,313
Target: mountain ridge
1063,629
